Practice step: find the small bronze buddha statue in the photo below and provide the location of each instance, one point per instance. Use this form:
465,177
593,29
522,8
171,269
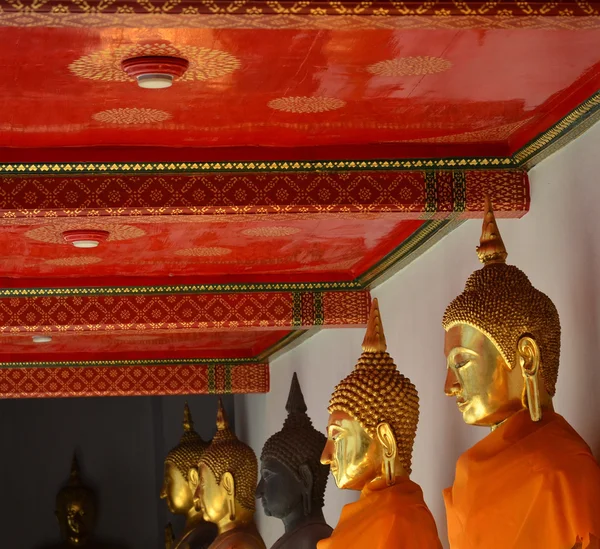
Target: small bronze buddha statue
178,488
76,514
532,481
372,425
293,481
227,475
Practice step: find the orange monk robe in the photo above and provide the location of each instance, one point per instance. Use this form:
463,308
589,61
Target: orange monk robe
527,484
385,517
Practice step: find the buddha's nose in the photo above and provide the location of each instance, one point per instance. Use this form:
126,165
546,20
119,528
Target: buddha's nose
327,453
260,489
452,386
163,492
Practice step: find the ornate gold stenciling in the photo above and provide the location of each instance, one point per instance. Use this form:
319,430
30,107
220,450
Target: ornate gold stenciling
129,116
203,252
410,66
52,232
269,232
375,391
105,65
499,133
73,261
500,302
304,105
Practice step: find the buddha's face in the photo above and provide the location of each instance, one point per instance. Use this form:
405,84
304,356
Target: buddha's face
487,391
210,498
279,490
176,490
76,518
353,456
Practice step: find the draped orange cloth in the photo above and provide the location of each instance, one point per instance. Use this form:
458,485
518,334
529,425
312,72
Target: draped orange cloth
385,517
525,485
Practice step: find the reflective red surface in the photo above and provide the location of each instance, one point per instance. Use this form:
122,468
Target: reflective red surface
142,346
315,249
494,87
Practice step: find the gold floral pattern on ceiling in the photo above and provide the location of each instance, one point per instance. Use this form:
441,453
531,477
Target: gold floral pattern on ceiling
203,252
410,66
268,232
304,105
129,116
73,261
52,232
487,135
204,63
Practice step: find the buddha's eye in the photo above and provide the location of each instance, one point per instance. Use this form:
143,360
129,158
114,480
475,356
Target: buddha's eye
460,364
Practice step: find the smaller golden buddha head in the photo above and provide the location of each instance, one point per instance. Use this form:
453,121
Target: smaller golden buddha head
292,476
502,339
373,418
227,475
178,488
75,509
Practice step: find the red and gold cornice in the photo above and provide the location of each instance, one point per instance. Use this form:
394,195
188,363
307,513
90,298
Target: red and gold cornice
416,194
113,378
311,14
188,312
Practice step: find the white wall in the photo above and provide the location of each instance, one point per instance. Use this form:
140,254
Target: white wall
557,244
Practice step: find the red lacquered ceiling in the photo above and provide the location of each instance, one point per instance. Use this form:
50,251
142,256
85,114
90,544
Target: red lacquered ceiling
426,88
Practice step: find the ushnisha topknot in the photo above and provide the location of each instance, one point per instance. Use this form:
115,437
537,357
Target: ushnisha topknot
299,443
74,489
375,392
226,453
188,452
500,301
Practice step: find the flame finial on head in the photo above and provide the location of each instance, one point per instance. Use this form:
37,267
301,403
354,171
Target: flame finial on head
295,402
74,477
491,249
374,341
188,422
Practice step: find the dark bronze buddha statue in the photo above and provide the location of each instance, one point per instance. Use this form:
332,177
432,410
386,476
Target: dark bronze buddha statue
76,514
292,478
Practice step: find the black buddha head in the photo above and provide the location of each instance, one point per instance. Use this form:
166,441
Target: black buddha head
292,478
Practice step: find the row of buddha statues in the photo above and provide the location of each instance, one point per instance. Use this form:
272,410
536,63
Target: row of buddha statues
532,482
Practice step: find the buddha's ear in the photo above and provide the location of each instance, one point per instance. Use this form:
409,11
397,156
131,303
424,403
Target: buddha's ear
386,438
306,477
193,479
228,484
528,358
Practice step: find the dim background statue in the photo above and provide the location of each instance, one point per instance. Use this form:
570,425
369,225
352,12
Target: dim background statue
178,489
533,481
76,514
293,480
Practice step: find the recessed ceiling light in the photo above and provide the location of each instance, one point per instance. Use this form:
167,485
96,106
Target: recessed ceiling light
85,238
41,339
155,72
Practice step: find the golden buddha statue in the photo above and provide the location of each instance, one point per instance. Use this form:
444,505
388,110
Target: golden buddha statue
227,475
76,514
292,478
178,488
531,482
372,425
